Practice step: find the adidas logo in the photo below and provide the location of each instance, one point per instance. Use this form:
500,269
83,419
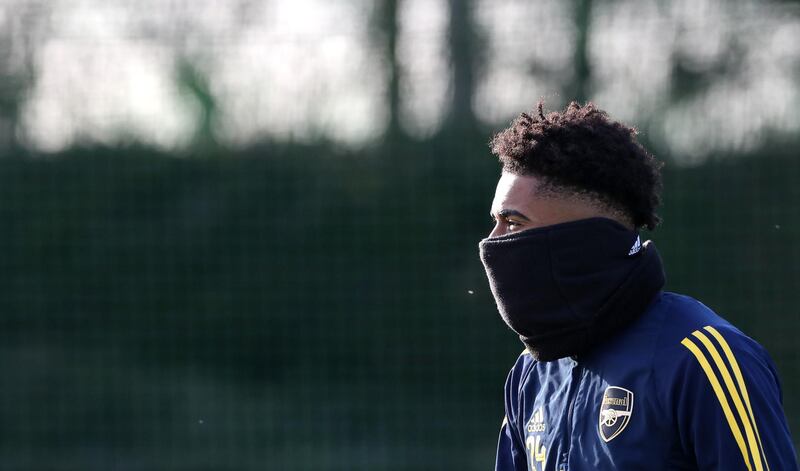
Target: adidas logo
637,246
536,424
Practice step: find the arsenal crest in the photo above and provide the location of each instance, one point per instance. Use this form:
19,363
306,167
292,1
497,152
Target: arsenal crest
615,412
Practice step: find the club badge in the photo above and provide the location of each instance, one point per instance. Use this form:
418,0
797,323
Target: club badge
615,412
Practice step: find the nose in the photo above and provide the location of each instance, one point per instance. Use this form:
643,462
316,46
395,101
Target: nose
497,230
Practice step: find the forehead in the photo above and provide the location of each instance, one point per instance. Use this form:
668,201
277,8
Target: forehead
514,192
524,194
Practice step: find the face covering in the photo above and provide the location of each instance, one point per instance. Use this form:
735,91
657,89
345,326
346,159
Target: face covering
567,287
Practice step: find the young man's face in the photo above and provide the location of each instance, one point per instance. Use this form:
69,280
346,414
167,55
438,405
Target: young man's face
519,205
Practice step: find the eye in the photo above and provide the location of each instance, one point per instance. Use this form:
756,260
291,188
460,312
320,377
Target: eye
513,225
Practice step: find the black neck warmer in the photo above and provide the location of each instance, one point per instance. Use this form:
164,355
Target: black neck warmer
567,287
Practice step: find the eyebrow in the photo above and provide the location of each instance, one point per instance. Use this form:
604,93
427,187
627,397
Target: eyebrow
505,213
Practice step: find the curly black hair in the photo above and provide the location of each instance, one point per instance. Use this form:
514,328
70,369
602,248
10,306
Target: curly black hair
581,150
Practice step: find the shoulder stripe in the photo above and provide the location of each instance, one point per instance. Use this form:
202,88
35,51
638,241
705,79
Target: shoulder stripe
740,381
734,395
723,401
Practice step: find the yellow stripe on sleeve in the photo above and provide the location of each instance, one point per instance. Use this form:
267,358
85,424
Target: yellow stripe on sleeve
723,401
737,401
740,381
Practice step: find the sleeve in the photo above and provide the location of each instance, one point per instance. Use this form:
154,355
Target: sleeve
727,404
511,454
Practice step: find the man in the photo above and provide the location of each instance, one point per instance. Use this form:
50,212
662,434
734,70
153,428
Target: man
617,374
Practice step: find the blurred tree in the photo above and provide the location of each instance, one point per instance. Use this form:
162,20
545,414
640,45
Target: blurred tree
578,90
195,84
24,25
464,52
386,30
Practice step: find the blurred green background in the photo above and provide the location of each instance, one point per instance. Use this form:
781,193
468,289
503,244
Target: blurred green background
243,235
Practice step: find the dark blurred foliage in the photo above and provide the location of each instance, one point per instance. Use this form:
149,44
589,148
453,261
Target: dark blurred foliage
279,310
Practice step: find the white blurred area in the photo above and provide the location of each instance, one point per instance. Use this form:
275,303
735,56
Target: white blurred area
748,53
295,70
529,52
106,71
425,73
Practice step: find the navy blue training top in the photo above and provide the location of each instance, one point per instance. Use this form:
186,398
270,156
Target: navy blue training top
680,389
